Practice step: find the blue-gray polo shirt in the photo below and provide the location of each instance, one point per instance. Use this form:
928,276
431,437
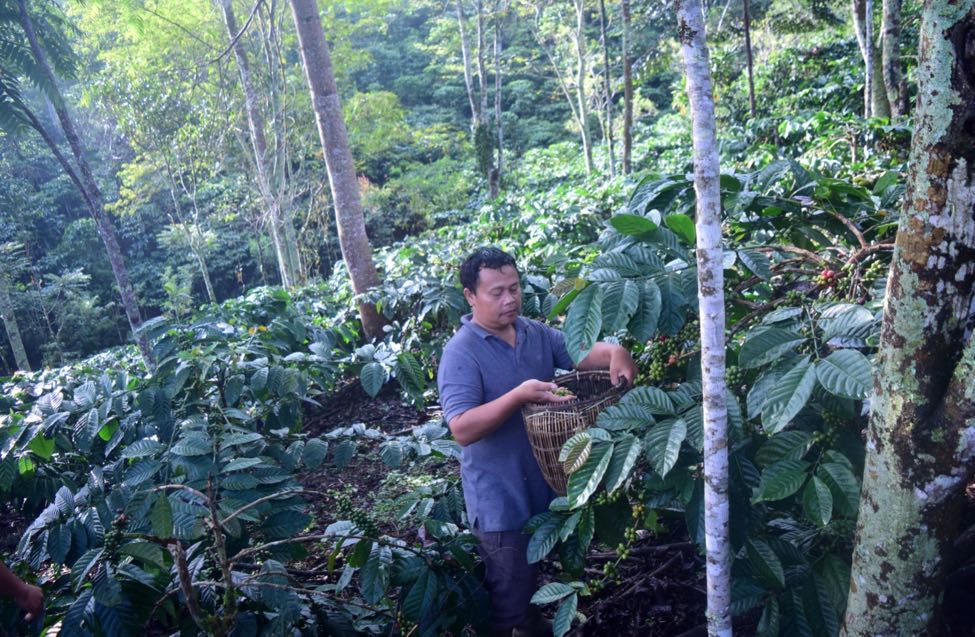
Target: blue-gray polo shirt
503,486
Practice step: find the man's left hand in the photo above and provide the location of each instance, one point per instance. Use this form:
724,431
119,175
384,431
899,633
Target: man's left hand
622,369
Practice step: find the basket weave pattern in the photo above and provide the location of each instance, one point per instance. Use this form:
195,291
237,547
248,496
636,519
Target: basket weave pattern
550,425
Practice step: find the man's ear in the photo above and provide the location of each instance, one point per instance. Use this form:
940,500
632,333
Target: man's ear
469,296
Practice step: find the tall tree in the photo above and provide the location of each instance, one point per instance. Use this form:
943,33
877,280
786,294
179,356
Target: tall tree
83,178
582,69
746,15
349,221
710,274
874,95
465,52
921,432
274,194
10,261
494,179
890,62
627,90
607,88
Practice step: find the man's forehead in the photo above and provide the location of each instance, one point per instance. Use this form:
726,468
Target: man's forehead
493,277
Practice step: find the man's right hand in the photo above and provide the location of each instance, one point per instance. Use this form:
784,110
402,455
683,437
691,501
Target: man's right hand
31,600
539,391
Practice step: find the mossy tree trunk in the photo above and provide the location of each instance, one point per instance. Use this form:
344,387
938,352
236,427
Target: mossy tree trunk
921,434
356,250
710,276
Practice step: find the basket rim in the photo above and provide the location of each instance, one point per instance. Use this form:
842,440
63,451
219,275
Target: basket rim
534,408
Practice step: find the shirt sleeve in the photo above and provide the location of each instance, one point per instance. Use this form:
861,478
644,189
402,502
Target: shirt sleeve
559,351
459,384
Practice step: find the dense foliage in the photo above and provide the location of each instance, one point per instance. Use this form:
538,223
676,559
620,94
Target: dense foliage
174,500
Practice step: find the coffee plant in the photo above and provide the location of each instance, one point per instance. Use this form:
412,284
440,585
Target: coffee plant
806,316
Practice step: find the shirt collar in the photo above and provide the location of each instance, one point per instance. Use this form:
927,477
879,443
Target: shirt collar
468,321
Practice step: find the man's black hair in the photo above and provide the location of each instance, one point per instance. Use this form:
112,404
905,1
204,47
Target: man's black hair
487,257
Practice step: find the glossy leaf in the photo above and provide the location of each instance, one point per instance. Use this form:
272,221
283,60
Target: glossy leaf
583,483
817,502
562,622
765,563
787,397
372,376
551,592
846,373
663,443
645,317
575,452
766,344
782,479
584,322
625,455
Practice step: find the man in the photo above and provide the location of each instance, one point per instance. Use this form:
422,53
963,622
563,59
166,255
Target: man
497,362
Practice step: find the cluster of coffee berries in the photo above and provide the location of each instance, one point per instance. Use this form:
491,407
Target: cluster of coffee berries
113,538
734,377
606,498
828,278
348,511
795,297
665,351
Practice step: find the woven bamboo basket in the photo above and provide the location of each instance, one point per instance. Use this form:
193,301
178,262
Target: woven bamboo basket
549,425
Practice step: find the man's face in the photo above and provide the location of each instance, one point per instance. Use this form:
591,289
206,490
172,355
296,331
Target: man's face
497,301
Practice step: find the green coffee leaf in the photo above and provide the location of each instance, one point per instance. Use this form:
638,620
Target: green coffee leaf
817,502
625,454
562,622
842,485
552,592
584,322
765,563
766,344
575,452
663,443
620,301
583,483
372,378
644,321
785,445
846,373
782,479
632,225
787,397
544,538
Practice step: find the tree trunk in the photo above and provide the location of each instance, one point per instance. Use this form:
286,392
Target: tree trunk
871,51
465,52
92,195
874,94
481,65
894,83
581,82
256,125
748,59
608,88
696,58
627,91
921,433
349,222
13,329
494,183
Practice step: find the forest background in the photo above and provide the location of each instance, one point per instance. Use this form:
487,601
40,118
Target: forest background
175,473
